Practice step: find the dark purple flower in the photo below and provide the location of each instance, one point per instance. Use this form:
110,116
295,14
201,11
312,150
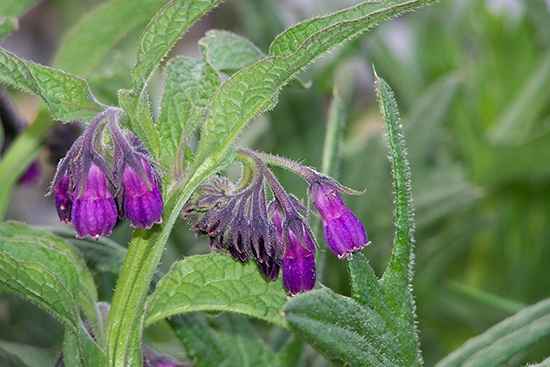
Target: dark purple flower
63,197
94,210
298,262
299,259
143,203
344,233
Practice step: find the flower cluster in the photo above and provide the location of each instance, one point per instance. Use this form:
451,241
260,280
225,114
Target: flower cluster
93,194
237,218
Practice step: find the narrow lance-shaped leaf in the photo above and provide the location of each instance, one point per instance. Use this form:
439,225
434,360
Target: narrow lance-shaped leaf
216,282
67,97
245,94
397,279
504,340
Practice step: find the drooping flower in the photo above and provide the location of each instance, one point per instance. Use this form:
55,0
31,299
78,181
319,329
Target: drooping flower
296,239
299,259
94,194
343,231
94,211
143,203
63,198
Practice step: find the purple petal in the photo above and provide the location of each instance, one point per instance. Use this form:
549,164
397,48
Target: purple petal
142,205
299,265
94,211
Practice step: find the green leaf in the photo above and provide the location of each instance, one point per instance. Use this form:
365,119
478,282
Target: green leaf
100,31
343,330
396,282
15,8
521,115
189,83
81,350
504,340
15,354
247,92
67,96
497,302
7,25
398,276
54,274
140,120
216,282
367,290
102,256
225,340
229,52
161,34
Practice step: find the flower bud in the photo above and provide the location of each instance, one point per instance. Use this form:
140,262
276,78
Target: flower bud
344,233
143,203
63,198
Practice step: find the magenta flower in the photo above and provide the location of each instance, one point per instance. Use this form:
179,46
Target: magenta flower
298,262
94,211
344,233
299,259
63,198
143,203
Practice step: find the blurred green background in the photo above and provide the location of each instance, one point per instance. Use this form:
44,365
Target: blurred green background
472,80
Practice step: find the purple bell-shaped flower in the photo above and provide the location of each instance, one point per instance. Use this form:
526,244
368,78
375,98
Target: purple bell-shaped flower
344,233
143,203
94,211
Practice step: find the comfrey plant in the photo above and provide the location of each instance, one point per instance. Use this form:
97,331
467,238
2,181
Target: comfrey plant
237,218
144,165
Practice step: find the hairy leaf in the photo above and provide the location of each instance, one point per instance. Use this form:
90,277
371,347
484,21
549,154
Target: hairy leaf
140,119
343,329
504,340
397,279
67,97
229,52
189,83
248,91
225,340
47,270
216,282
161,34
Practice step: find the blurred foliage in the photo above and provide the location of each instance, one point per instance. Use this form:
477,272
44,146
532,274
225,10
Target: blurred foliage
471,80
